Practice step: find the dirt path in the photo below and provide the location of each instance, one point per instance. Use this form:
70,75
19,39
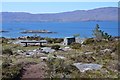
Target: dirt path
34,71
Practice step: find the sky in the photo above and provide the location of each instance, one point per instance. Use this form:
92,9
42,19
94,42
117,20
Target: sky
53,7
60,0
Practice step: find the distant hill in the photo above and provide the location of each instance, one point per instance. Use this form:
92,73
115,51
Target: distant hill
99,14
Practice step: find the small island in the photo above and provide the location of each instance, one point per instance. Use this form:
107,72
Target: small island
37,31
1,31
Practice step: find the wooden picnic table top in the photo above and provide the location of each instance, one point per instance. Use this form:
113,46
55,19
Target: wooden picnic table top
33,42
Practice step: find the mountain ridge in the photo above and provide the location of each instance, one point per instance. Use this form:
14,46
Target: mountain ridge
97,14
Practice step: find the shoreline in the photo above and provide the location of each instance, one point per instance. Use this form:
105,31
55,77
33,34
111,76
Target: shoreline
46,37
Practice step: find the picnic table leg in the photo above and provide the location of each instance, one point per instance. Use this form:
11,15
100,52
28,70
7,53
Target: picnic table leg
40,44
25,44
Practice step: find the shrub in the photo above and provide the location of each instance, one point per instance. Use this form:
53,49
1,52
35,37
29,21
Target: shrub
6,63
58,40
11,73
56,47
7,51
56,67
49,40
4,40
54,40
118,47
88,41
75,45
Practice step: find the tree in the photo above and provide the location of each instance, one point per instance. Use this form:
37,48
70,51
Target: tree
106,36
99,34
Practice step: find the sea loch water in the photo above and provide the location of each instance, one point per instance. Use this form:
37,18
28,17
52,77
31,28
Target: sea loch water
63,29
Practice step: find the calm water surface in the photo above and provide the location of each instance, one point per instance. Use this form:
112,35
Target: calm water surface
63,29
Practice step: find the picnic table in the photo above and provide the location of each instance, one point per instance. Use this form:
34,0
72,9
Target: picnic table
26,42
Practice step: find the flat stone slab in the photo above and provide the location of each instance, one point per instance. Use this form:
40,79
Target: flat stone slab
85,66
61,57
105,50
47,50
89,53
44,58
51,56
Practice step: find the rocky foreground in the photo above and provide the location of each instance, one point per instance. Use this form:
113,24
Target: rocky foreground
88,60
